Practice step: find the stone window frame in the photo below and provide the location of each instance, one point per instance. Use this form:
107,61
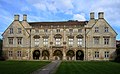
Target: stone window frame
79,41
71,30
57,30
10,53
10,30
106,40
45,41
106,29
10,40
19,53
45,30
37,41
96,54
96,29
19,30
96,40
57,41
70,41
19,40
36,30
106,54
79,30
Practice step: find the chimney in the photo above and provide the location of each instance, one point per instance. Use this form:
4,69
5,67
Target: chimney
101,15
16,17
24,17
92,15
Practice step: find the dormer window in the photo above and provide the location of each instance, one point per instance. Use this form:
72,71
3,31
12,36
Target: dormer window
19,30
45,30
106,29
11,31
79,30
96,29
36,31
70,30
58,30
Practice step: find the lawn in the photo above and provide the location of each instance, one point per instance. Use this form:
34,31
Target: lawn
88,67
20,67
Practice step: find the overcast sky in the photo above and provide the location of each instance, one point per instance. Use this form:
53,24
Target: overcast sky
59,10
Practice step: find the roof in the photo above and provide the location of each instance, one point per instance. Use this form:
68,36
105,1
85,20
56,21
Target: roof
70,22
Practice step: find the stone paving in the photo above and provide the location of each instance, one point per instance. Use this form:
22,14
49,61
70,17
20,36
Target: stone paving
48,69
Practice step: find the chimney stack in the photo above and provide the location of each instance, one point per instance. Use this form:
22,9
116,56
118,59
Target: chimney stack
16,17
24,17
101,15
92,15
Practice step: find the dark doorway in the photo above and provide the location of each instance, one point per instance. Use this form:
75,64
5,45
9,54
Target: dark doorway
58,55
79,55
70,54
36,54
45,54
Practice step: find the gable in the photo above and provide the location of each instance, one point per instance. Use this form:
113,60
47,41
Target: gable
101,24
15,25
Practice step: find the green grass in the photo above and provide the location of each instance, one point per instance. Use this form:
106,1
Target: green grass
88,68
20,67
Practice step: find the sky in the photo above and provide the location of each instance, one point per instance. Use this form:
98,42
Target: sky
59,10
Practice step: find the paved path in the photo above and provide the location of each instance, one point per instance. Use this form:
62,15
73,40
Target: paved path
48,69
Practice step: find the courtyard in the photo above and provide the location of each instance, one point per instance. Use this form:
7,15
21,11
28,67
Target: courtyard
20,67
66,67
88,67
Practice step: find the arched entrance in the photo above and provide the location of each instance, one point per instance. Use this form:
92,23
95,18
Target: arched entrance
58,54
45,55
79,55
36,54
70,54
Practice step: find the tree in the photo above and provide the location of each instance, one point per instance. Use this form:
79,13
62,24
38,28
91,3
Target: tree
1,47
117,59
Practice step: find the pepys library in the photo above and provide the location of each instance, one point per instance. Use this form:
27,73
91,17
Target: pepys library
60,40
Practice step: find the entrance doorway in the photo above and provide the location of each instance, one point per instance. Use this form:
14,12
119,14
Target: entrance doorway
58,54
70,54
79,55
36,54
45,54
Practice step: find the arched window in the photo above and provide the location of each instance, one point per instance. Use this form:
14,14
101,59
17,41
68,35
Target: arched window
36,39
79,40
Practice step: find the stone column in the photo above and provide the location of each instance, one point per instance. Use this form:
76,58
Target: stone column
64,53
51,53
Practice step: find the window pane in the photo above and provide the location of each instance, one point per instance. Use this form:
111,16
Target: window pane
96,29
11,31
19,30
106,41
10,40
36,42
19,41
106,29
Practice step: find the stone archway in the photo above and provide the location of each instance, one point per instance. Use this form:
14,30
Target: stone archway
70,54
45,54
79,55
36,54
58,54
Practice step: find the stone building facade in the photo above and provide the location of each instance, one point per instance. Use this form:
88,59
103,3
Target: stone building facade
65,40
